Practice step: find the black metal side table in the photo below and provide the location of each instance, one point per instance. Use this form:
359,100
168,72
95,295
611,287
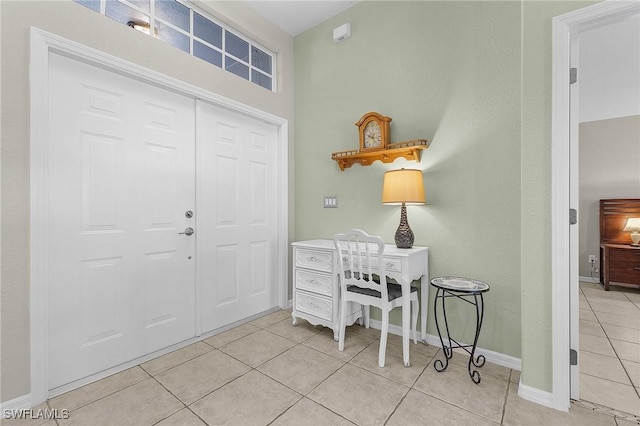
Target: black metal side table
471,292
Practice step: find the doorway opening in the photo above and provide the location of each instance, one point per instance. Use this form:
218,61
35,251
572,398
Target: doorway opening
565,291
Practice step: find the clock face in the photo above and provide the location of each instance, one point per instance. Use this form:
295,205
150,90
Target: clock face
372,135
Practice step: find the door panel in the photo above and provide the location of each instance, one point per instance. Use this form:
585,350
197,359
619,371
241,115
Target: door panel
237,205
121,176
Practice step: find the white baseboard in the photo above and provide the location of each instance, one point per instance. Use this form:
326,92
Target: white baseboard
536,395
290,304
20,403
491,356
595,280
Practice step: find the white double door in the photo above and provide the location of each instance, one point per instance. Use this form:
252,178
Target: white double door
237,207
122,271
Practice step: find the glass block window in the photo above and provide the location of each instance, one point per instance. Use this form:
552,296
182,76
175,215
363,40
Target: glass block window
184,26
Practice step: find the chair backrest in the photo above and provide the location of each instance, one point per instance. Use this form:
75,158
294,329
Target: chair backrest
360,256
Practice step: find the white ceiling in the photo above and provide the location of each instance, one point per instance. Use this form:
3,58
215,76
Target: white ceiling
297,16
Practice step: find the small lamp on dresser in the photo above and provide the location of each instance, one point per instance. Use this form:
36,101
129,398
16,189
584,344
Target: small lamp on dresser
633,226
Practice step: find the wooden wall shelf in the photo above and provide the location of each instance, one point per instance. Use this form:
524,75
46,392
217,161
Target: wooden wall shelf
411,150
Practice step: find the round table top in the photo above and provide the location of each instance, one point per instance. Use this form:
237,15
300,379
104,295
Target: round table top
466,285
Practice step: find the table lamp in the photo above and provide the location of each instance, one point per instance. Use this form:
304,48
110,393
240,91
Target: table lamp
633,226
402,187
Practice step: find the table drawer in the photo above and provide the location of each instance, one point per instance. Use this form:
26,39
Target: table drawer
314,282
393,265
621,255
390,264
315,305
624,272
319,260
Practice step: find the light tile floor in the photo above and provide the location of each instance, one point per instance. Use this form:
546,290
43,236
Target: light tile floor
609,357
268,372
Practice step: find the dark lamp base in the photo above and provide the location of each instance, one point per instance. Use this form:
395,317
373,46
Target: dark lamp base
404,234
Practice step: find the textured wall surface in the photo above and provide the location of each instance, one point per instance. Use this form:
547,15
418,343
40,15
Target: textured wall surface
445,71
537,366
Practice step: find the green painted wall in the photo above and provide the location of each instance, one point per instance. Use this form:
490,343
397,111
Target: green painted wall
537,366
475,79
445,71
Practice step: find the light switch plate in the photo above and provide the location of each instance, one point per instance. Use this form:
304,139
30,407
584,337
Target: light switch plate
331,202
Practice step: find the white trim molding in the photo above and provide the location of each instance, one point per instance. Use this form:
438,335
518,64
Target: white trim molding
535,395
42,44
594,280
20,403
491,356
564,28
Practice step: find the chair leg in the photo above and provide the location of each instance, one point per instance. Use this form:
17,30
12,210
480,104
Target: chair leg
343,324
415,308
366,315
383,338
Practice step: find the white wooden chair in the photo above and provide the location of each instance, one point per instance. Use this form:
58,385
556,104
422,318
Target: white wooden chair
360,257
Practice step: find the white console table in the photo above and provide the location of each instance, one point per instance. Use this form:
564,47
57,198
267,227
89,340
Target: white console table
316,290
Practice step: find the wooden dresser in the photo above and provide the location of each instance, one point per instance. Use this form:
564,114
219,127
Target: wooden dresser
619,261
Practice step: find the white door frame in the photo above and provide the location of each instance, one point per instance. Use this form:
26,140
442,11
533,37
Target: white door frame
42,43
564,28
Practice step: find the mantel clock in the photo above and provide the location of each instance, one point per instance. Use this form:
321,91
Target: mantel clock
374,132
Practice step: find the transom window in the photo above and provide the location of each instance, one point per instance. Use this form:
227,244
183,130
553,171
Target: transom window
187,28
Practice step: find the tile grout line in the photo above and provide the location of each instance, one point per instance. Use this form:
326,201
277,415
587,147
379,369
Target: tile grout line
453,405
149,376
396,407
629,299
172,394
411,387
285,411
506,397
51,408
615,413
178,365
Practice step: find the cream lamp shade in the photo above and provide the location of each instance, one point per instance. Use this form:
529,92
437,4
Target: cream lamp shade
402,187
633,226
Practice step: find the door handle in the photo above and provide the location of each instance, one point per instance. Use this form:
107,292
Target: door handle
188,231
